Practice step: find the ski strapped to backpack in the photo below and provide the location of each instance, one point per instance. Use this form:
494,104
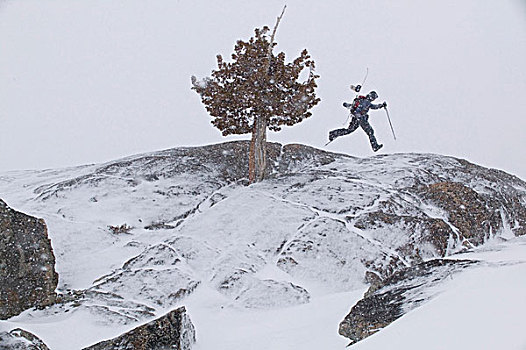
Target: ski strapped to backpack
357,88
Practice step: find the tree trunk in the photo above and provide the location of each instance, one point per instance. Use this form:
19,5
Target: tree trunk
257,161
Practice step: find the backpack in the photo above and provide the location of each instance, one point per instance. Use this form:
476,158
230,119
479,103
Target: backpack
356,106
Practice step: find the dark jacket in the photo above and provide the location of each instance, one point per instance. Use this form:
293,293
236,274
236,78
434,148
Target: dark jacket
361,105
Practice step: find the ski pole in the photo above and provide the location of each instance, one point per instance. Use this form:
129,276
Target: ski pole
390,124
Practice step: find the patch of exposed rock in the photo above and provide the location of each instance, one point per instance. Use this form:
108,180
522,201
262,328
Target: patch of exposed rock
402,292
27,264
19,339
474,215
172,331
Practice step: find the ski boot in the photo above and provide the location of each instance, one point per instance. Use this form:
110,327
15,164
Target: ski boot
332,136
377,147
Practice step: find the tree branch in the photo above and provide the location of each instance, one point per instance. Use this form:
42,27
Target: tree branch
269,52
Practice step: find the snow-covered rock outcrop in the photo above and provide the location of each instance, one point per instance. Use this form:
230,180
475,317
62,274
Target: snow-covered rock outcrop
320,223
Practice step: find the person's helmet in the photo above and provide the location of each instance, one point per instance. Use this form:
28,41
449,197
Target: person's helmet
372,96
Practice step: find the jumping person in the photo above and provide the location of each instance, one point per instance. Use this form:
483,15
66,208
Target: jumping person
359,109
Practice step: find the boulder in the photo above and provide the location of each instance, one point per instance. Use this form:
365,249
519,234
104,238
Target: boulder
19,339
390,299
27,264
172,331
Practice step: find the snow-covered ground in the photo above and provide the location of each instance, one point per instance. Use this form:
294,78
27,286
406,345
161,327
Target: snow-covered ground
308,326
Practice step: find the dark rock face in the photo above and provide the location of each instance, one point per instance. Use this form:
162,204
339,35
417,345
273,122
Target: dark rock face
172,331
19,339
390,299
27,264
471,213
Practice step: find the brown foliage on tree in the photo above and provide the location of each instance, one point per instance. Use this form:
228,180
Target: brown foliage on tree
256,91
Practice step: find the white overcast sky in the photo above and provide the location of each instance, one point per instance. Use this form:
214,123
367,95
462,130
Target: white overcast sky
94,80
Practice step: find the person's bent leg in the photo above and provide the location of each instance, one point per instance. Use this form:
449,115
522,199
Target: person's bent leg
370,132
344,131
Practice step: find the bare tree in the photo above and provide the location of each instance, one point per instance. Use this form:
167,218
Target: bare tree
256,91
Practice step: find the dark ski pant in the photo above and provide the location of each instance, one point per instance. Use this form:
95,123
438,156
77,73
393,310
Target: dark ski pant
362,121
